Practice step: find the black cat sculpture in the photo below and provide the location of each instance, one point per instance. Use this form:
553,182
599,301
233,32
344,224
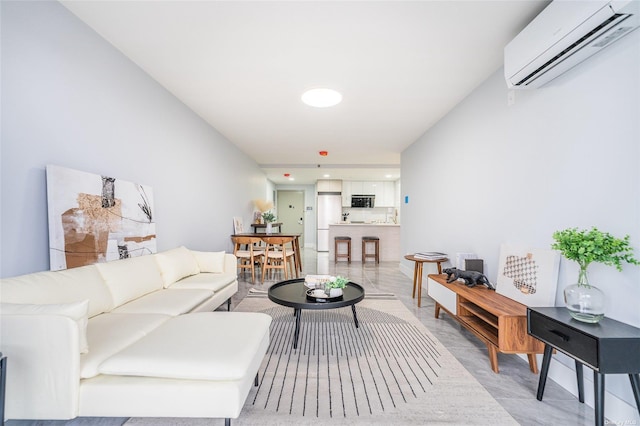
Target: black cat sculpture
471,278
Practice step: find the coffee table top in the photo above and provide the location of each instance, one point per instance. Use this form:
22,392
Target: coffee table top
293,293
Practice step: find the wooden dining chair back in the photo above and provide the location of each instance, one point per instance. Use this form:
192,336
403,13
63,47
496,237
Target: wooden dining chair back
249,253
279,254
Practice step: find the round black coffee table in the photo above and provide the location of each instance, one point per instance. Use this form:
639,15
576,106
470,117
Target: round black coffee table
293,293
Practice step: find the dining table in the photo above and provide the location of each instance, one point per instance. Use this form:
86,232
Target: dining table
297,258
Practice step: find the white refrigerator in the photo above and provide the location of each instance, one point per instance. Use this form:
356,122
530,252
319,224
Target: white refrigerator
329,209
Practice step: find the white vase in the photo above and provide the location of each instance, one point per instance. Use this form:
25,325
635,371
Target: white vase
335,292
269,228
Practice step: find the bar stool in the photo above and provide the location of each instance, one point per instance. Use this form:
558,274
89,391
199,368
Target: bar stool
376,242
346,240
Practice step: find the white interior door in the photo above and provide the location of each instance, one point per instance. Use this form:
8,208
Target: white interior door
290,205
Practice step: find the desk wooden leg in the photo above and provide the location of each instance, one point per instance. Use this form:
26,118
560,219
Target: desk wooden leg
546,360
419,283
635,385
299,255
493,357
533,363
415,279
598,396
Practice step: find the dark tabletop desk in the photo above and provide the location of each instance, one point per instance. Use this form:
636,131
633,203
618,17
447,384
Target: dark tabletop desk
608,347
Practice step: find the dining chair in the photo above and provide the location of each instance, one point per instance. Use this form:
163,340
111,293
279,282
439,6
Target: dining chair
248,252
279,254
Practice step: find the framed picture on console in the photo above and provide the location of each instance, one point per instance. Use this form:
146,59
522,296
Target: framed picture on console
528,275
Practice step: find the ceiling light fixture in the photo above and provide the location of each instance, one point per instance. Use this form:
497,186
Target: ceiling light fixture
321,98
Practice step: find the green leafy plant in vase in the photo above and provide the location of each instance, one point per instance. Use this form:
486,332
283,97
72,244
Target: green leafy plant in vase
268,217
585,302
335,285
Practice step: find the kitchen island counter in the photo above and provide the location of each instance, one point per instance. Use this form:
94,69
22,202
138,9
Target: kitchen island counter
389,234
363,224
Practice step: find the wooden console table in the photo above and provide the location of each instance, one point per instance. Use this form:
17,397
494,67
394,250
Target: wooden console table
500,322
263,226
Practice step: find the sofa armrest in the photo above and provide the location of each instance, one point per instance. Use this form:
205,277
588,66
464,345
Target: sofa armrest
230,264
43,366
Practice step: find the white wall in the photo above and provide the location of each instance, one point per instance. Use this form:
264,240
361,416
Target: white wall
562,156
69,98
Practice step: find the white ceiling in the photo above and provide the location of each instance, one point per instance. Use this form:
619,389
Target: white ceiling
242,66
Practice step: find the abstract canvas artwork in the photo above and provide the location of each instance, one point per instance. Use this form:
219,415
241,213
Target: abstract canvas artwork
528,276
94,218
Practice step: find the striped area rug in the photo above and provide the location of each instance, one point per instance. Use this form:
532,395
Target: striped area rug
389,370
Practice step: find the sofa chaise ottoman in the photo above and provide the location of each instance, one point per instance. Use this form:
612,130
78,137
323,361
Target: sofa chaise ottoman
133,337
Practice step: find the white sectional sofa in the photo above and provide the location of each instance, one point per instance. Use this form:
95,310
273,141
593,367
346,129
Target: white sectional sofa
133,337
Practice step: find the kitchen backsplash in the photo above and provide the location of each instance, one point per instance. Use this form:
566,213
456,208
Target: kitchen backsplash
373,215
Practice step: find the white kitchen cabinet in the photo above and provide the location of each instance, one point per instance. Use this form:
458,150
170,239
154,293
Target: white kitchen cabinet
346,193
385,192
357,188
390,194
329,185
369,188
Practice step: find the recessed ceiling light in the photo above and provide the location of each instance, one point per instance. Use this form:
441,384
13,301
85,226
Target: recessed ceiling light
388,176
321,98
291,178
326,175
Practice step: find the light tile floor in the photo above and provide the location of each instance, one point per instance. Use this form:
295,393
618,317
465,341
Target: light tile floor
514,387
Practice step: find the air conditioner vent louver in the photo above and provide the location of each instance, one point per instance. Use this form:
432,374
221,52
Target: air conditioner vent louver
563,35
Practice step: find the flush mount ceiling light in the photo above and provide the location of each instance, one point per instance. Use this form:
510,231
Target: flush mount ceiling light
321,98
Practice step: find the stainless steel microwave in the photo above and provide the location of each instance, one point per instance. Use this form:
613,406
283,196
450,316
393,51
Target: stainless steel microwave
363,201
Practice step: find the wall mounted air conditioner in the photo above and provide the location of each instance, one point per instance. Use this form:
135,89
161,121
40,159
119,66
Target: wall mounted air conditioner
564,34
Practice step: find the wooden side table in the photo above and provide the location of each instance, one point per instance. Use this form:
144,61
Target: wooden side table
417,272
608,347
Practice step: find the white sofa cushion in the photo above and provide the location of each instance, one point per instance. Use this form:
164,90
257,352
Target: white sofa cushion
210,261
109,333
170,302
200,346
131,278
208,281
176,264
67,286
76,311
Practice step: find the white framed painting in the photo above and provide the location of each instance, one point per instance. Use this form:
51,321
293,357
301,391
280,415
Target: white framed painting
94,218
528,275
238,225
